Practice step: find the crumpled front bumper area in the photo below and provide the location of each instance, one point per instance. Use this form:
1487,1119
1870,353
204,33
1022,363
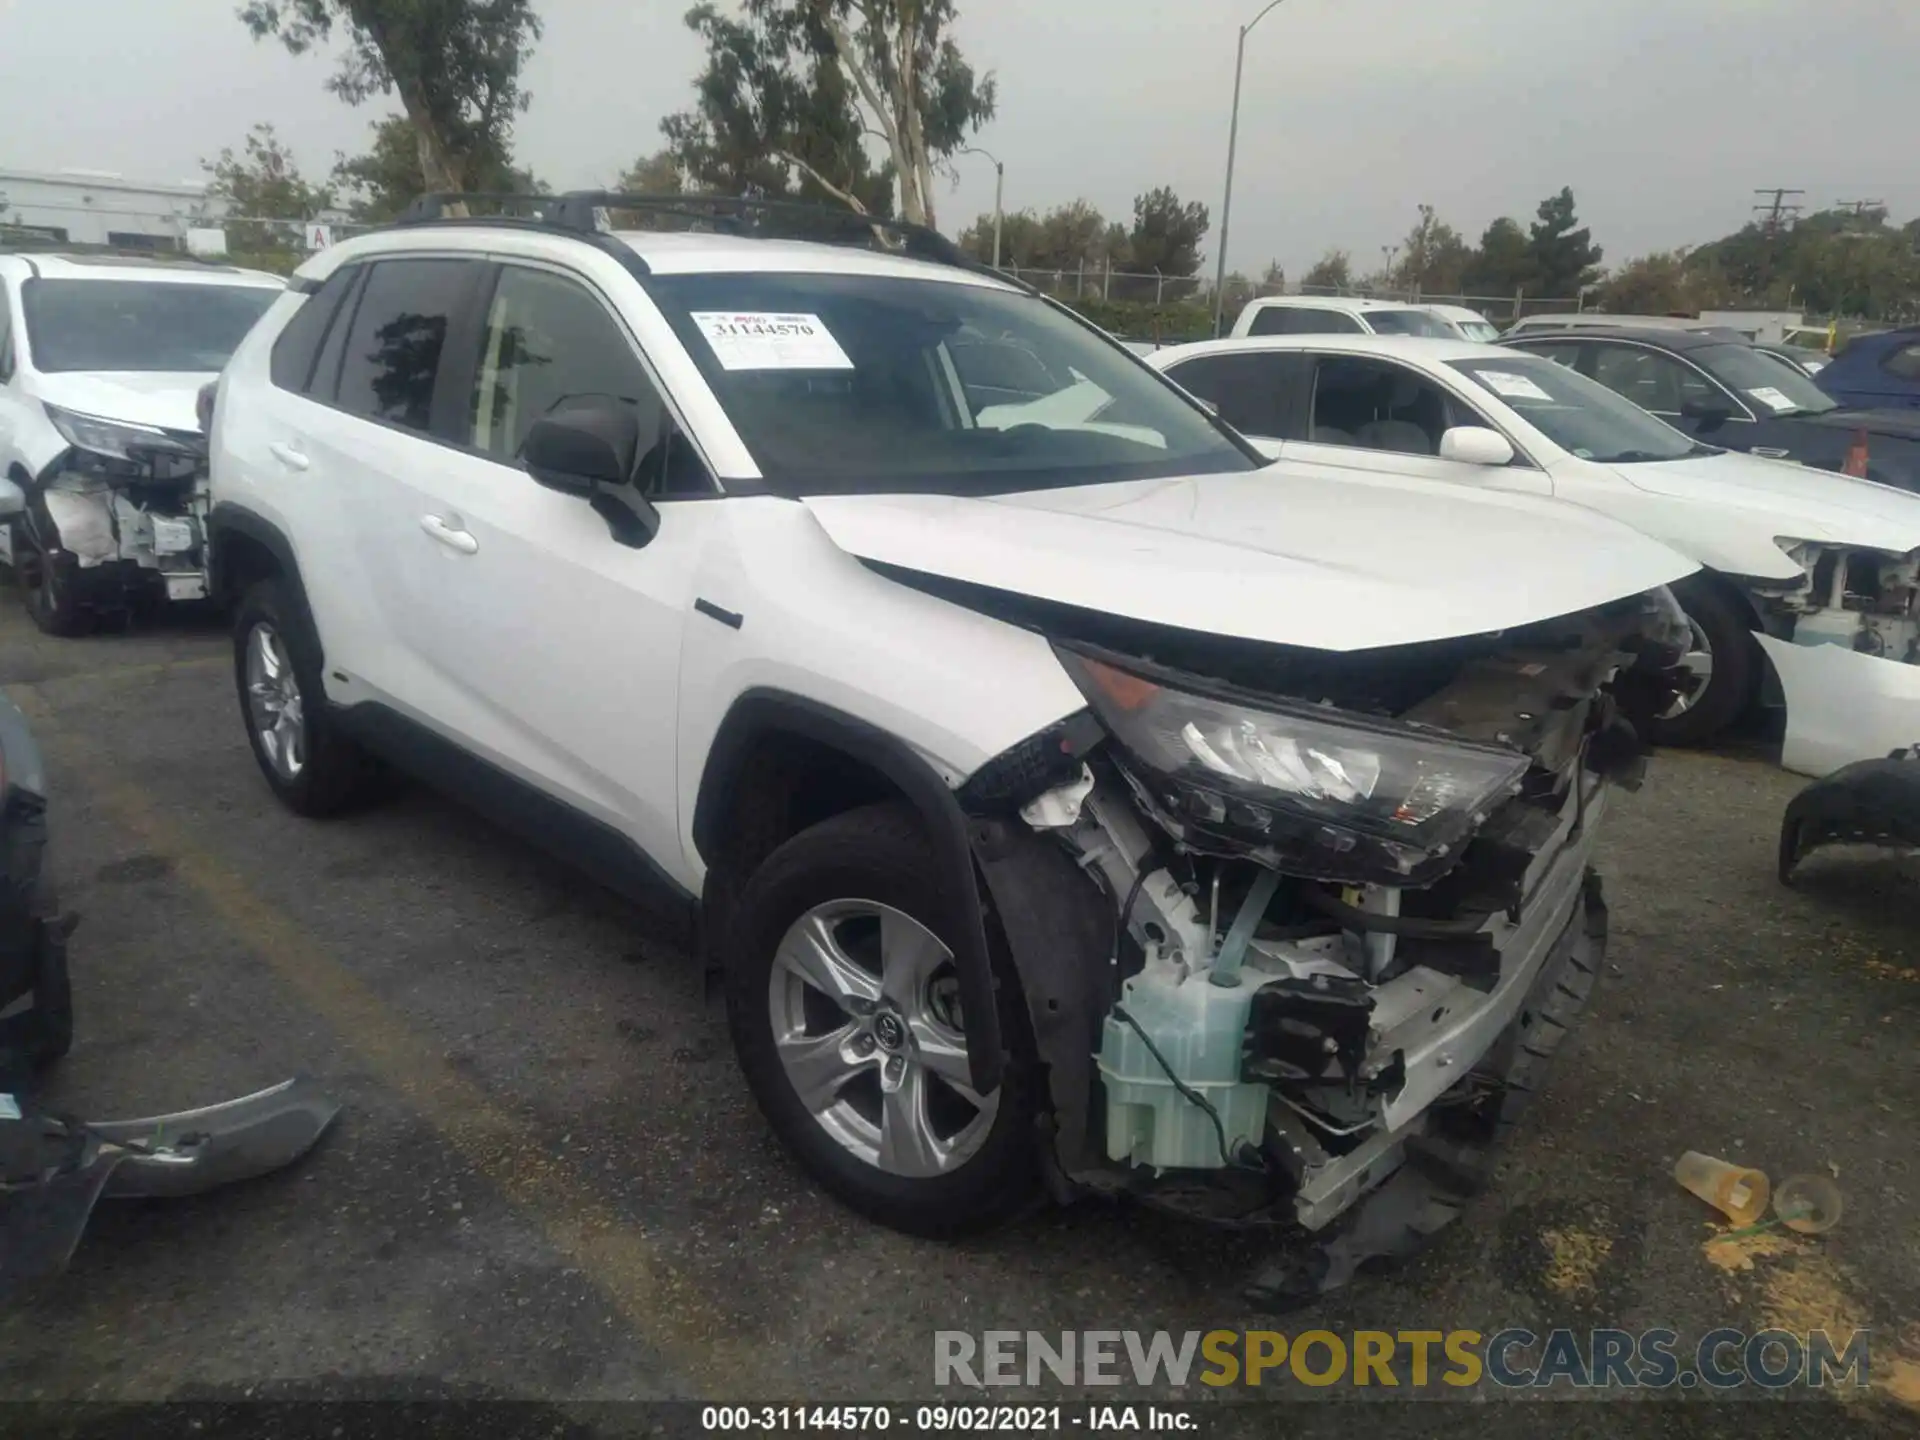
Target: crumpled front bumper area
1870,802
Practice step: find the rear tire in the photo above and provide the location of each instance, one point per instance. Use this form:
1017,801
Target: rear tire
314,769
1728,634
868,879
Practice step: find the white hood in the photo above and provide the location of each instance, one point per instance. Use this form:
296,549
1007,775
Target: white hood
140,397
1728,511
1292,554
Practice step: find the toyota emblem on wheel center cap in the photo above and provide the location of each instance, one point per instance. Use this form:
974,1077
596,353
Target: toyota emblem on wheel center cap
889,1030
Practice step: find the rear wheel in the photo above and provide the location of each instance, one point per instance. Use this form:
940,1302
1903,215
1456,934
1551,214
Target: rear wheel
1723,663
313,768
843,1000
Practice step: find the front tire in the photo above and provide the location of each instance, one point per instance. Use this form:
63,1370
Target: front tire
1723,642
313,768
843,1003
47,587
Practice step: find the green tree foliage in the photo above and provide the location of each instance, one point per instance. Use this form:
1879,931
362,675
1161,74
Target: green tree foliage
655,174
1833,262
772,114
1502,263
263,180
454,64
1166,234
1273,280
1069,238
377,185
1433,257
1561,249
1333,270
793,89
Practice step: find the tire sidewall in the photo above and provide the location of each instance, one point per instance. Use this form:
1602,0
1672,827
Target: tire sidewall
1736,659
867,861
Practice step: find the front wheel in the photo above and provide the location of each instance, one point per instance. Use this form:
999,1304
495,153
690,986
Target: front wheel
844,1003
1723,664
47,586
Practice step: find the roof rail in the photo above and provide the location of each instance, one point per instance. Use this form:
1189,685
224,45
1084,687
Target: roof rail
587,212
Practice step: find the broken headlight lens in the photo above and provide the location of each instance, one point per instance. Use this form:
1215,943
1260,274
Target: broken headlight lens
115,439
1338,795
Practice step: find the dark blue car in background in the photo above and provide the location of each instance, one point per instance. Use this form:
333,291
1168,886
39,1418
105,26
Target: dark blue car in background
1876,372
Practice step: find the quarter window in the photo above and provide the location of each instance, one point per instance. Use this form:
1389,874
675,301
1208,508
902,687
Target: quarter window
399,331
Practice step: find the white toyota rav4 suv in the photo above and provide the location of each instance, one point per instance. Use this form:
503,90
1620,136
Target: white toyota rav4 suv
1074,801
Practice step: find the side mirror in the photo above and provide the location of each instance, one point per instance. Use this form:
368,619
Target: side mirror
589,447
1711,414
1476,445
13,499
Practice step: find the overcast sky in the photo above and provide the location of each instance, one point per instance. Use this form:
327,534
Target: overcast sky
1664,115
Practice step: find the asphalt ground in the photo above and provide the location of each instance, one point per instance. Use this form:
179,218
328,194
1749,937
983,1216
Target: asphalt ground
549,1183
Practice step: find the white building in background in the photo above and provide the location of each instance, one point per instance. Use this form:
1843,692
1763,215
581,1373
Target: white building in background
92,207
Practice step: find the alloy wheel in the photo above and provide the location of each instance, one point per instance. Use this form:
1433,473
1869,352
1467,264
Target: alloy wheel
274,703
864,1002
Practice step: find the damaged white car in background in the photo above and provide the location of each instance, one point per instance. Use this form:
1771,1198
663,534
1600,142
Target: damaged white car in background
103,493
1810,580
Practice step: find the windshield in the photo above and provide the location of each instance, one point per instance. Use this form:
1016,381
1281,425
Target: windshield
1482,330
138,324
1408,322
1762,380
869,384
1581,416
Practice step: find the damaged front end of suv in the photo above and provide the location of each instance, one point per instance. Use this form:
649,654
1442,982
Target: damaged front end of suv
1297,930
114,525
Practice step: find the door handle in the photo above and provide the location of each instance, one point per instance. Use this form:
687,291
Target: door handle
450,536
288,456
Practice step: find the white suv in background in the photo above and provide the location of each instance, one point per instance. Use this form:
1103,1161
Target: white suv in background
758,576
1338,315
102,460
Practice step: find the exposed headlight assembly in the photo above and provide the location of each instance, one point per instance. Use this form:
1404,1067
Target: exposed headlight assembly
1333,795
113,439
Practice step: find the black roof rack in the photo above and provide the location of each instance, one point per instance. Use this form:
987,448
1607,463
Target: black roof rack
587,212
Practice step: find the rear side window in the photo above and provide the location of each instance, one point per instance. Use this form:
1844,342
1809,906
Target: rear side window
294,353
1903,363
1249,390
399,330
1303,320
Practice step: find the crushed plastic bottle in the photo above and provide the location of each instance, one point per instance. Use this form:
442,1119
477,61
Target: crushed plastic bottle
1735,1191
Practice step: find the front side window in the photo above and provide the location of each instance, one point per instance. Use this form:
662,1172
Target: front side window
858,383
548,340
1408,322
392,356
1761,384
1653,379
1584,418
1377,405
291,364
146,325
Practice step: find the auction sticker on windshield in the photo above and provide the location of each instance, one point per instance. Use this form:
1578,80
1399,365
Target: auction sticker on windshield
758,340
1767,395
1512,387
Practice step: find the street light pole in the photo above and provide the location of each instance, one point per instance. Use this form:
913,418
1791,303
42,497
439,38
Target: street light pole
1233,140
999,191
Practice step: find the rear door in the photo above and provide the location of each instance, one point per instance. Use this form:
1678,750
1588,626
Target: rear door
371,436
